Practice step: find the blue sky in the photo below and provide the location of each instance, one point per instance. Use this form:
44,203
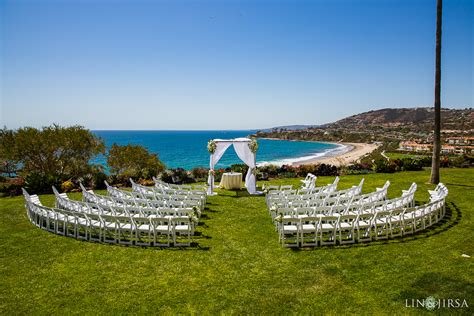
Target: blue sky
225,64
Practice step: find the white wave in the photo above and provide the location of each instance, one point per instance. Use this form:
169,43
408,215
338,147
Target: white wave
339,150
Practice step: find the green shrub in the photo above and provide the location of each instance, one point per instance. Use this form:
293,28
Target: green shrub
67,186
49,155
200,174
243,168
55,150
11,186
384,166
461,161
177,176
146,182
133,161
410,164
36,183
98,177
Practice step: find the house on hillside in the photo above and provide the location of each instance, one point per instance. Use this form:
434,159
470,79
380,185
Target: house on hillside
461,140
414,146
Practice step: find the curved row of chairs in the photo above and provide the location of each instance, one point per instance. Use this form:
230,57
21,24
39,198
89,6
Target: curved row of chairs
138,201
102,205
349,202
286,190
309,182
174,195
162,220
162,191
352,208
289,196
169,186
357,220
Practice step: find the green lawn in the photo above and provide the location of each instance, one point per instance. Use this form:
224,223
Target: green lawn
239,266
397,155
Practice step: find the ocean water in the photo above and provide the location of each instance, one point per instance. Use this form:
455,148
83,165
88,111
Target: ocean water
188,149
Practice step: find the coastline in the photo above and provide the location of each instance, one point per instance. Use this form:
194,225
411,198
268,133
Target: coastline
354,154
345,154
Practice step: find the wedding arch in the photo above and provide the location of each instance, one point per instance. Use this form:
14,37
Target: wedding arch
246,150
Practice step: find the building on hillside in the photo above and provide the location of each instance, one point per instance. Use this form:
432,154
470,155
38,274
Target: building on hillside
460,140
445,149
414,146
448,149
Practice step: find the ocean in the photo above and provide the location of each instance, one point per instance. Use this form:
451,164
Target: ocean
188,149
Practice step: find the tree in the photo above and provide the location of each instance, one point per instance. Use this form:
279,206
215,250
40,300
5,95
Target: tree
56,150
437,102
8,160
133,161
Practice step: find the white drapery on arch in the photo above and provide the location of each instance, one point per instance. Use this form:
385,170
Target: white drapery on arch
242,149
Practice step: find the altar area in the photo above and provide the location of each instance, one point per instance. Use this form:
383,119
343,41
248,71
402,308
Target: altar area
246,150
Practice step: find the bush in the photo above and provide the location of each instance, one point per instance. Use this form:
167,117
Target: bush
218,174
54,150
133,161
410,164
357,168
11,186
98,177
384,166
444,162
243,168
36,183
177,176
326,170
48,156
67,186
146,182
200,174
460,161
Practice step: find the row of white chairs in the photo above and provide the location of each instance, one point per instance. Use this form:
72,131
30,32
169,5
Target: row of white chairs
345,201
120,228
116,208
281,196
190,200
403,201
182,187
133,201
397,218
162,191
309,182
440,190
287,190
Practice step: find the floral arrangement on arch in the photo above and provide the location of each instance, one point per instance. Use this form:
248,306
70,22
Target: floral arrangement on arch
253,145
211,146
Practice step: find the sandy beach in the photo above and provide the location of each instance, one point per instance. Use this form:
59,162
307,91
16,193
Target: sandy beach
357,151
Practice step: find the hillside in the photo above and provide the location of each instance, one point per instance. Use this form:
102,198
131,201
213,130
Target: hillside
417,118
386,125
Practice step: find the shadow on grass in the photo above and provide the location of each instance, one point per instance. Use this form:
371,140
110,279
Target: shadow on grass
460,185
193,247
245,193
452,217
201,235
210,211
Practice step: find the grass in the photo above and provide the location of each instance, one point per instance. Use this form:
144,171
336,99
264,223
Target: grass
238,265
397,155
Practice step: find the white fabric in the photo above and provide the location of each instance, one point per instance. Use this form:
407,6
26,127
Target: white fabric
248,157
241,147
221,147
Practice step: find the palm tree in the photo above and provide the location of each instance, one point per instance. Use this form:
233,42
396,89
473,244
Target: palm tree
437,102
